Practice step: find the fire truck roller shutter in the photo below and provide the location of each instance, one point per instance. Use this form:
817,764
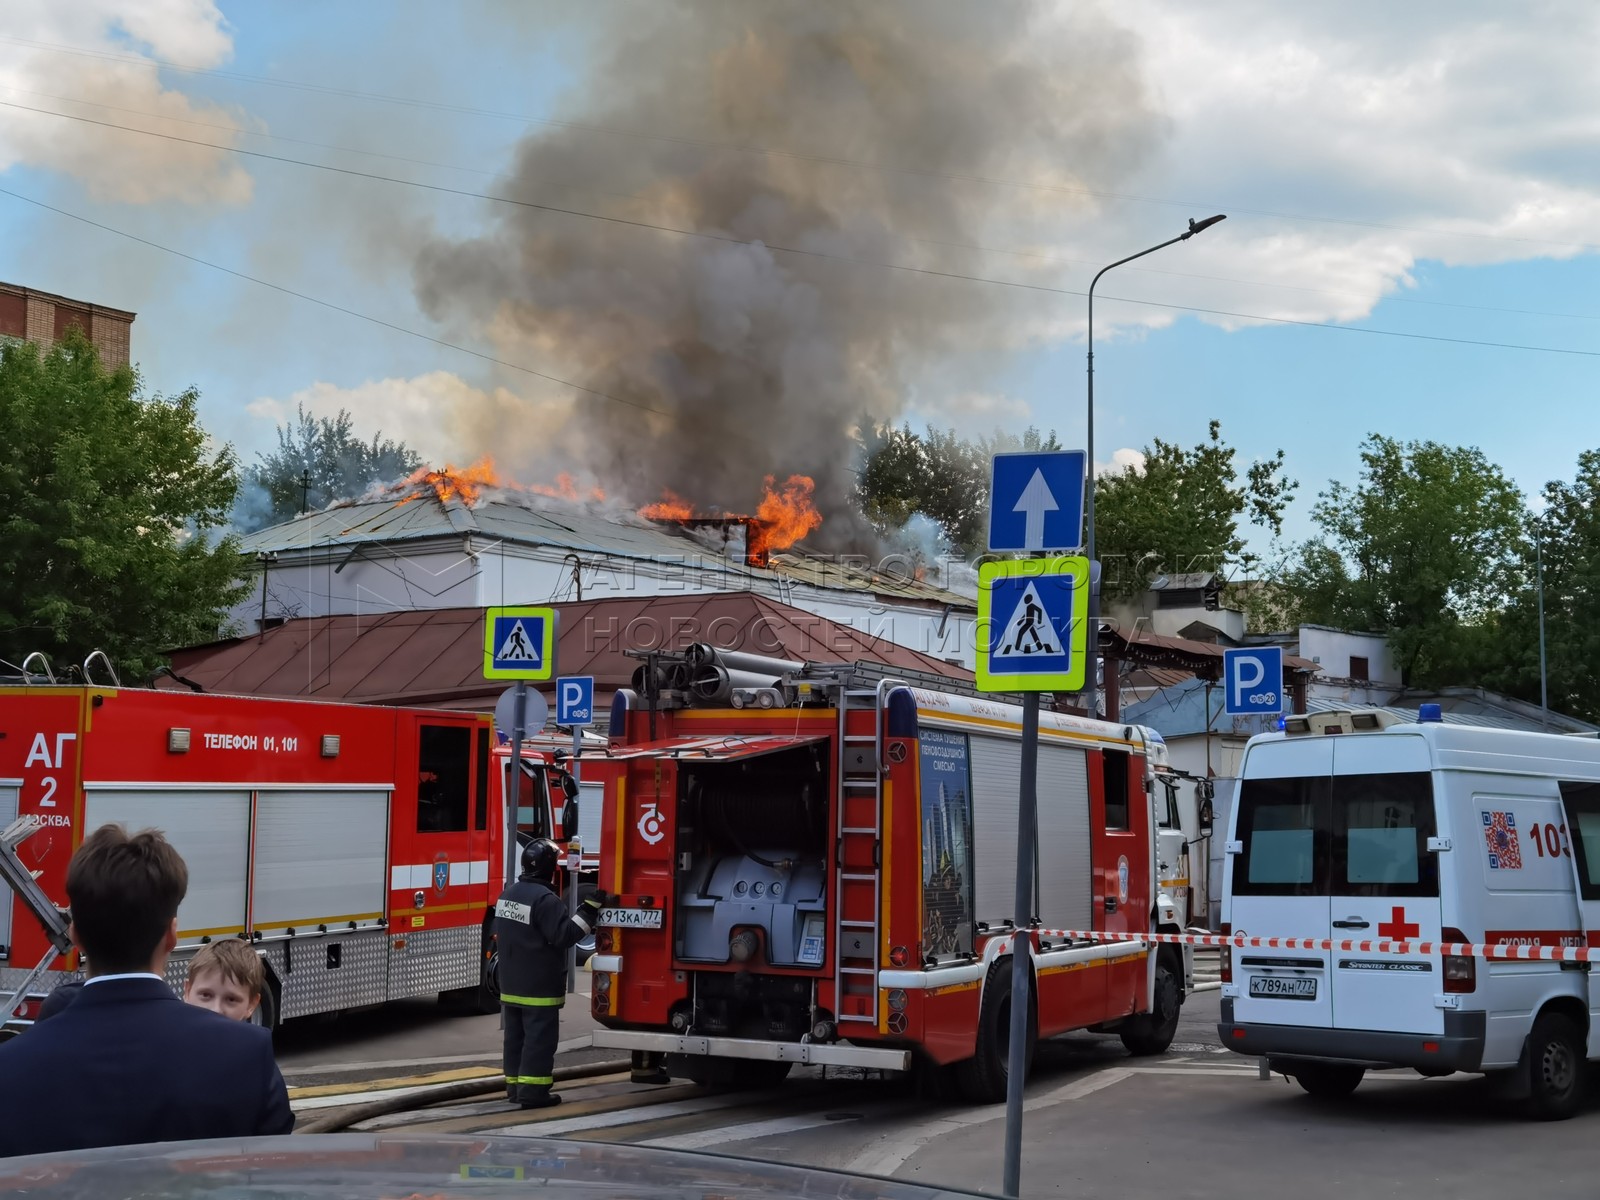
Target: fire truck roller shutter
320,857
209,828
1066,885
994,827
8,813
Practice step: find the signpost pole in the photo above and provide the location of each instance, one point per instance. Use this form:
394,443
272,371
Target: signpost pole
572,865
1016,1069
519,722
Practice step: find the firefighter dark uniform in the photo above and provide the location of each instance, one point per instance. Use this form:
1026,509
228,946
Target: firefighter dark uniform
532,932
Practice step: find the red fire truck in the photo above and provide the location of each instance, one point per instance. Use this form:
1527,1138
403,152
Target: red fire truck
358,848
817,865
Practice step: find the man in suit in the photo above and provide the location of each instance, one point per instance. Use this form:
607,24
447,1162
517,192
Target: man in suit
128,1062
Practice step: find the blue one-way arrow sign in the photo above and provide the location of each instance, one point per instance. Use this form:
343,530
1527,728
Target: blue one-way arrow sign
1036,501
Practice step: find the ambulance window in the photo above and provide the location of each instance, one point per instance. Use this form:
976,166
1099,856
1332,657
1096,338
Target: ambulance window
1582,801
1169,813
1116,781
481,782
1382,824
1283,824
444,774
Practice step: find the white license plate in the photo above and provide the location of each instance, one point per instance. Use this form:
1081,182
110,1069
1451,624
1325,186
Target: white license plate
1281,987
631,918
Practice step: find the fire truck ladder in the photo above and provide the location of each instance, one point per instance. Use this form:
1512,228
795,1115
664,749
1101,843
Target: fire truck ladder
25,884
860,848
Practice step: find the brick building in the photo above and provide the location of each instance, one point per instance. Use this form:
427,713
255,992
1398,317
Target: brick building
34,316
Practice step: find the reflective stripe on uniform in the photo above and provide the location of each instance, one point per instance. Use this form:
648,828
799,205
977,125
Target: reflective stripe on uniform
534,1001
532,1080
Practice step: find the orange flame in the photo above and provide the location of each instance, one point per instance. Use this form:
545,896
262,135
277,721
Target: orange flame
672,507
465,484
565,489
784,516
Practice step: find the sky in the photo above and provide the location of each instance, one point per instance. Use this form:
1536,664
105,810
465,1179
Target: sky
887,208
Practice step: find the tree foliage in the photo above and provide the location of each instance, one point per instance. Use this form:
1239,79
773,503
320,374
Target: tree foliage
318,461
1179,511
113,505
938,474
1423,548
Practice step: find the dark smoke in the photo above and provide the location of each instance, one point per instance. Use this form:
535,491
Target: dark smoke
765,360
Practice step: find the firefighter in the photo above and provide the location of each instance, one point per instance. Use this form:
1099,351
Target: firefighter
532,932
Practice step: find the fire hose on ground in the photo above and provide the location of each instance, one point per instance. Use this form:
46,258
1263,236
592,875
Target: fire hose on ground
446,1093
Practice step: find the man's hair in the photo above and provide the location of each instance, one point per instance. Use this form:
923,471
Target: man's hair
236,960
124,891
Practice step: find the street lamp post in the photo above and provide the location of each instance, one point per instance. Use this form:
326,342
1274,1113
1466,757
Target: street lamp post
1092,671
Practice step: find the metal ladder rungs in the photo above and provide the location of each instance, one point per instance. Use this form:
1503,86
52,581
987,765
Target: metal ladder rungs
857,971
860,737
864,1018
858,878
859,924
871,783
859,829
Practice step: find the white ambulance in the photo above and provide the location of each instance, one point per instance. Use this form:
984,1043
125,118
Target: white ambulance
1355,826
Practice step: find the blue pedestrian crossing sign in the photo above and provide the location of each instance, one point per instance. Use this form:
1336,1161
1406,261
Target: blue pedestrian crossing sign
519,643
1252,680
1036,502
1033,622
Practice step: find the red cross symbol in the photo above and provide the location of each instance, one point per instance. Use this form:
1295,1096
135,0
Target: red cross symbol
1397,928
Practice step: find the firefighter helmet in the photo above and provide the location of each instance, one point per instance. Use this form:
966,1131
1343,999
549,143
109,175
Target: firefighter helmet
539,859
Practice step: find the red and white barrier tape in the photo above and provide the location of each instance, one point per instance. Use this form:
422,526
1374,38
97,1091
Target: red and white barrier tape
1240,941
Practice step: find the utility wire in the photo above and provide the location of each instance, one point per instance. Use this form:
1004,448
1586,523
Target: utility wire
338,308
1037,255
744,148
716,237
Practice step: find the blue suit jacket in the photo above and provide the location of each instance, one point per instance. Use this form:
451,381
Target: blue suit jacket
129,1062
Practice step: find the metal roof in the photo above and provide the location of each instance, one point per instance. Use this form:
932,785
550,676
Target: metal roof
435,656
584,528
1192,581
1180,710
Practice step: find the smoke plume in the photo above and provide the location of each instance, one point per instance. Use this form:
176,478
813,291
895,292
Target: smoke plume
856,131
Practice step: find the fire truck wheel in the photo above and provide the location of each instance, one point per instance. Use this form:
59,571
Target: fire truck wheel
266,1013
1151,1033
1556,1062
1328,1081
982,1078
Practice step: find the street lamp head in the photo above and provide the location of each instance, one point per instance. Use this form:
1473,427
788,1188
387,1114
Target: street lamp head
1196,226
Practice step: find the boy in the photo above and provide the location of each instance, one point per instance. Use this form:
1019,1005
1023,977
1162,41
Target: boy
226,977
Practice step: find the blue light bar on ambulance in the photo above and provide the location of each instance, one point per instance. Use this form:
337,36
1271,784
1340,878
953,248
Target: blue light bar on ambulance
1430,713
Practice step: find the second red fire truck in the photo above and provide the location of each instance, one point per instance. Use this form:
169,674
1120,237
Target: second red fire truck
820,868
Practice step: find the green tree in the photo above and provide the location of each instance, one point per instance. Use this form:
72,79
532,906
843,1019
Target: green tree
318,461
112,508
1423,549
1179,512
937,473
1566,535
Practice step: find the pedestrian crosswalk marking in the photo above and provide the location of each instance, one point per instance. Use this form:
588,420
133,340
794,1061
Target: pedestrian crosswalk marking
518,646
1029,631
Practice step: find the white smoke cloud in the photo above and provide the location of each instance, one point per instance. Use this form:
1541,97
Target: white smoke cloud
111,75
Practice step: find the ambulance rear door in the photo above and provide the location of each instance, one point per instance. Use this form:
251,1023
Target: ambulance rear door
1580,836
1276,881
1384,883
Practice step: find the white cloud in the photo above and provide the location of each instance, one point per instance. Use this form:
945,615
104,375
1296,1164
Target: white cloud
441,416
110,75
1122,460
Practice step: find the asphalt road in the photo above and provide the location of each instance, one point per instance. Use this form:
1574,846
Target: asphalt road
1197,1122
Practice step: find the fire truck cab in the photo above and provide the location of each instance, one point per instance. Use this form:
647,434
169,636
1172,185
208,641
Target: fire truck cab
358,848
823,871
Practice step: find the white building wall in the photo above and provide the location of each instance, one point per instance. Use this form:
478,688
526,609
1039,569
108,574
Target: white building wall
386,578
1170,622
1332,649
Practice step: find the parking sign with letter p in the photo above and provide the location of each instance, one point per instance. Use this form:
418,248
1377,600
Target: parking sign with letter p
1252,680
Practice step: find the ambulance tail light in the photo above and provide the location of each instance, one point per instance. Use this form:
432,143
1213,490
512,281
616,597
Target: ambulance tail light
1225,956
1460,970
